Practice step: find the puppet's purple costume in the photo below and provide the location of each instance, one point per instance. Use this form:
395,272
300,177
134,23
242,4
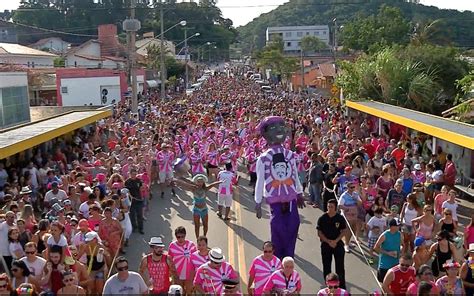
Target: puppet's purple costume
278,183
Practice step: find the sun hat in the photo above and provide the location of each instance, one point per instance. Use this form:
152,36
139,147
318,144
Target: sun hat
200,177
156,241
216,255
175,290
471,248
90,236
25,190
417,167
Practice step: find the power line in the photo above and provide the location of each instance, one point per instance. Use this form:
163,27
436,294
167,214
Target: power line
51,31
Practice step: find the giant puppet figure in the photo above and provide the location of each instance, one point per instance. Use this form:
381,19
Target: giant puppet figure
278,183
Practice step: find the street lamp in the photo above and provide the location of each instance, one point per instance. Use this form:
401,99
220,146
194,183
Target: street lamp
185,41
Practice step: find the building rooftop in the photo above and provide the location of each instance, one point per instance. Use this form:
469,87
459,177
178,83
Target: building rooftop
456,132
16,49
20,138
299,27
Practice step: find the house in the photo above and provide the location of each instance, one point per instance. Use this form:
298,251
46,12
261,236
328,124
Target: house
292,35
8,32
14,102
106,52
143,44
318,75
42,87
15,54
94,87
52,44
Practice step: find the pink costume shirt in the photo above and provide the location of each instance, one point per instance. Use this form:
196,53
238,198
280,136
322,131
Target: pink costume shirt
261,270
279,282
229,179
165,160
212,157
181,256
198,260
197,163
210,279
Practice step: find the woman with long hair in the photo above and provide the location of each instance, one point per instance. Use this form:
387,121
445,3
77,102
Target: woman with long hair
199,188
28,215
14,245
385,181
110,231
443,251
410,210
5,287
40,236
424,225
21,274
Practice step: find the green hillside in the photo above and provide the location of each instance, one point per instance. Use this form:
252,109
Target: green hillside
457,25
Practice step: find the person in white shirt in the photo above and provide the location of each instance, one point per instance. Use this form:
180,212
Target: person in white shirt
224,194
55,194
84,207
34,263
376,225
125,282
451,204
5,226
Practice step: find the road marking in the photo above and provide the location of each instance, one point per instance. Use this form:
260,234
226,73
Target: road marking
231,249
240,242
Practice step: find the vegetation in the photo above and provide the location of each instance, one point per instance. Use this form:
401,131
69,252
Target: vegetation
415,77
83,17
271,57
456,25
312,43
173,67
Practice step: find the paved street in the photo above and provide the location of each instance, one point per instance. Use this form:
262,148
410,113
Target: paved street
242,238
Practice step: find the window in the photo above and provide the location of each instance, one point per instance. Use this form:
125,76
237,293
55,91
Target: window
299,44
299,34
64,89
307,33
287,34
324,32
75,64
15,106
316,33
288,44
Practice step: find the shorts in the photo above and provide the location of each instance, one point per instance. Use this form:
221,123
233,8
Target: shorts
98,275
201,212
408,229
381,272
165,176
224,200
371,242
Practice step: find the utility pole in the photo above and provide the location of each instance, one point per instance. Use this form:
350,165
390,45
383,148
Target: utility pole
302,69
131,26
335,39
186,77
162,54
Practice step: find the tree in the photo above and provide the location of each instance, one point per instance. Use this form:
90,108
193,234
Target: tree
271,57
433,32
387,78
371,33
312,43
173,67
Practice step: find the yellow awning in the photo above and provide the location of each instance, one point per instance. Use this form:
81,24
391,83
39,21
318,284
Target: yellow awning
456,132
30,135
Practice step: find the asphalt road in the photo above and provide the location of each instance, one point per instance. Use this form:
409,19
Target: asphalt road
243,236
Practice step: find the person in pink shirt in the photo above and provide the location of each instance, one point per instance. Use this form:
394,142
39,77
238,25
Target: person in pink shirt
212,157
165,159
284,281
197,160
180,251
201,255
424,274
439,200
225,191
263,266
209,276
332,289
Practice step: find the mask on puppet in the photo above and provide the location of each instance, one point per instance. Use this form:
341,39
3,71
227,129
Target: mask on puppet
273,129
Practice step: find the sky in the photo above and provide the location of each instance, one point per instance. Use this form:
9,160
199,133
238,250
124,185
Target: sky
243,11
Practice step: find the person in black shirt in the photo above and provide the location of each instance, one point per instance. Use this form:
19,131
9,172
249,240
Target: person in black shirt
133,184
331,228
328,185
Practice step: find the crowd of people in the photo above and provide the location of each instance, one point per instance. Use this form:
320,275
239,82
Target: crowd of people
69,206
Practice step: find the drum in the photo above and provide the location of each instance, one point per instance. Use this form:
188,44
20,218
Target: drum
181,166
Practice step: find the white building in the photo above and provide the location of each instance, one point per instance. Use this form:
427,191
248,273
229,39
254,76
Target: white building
19,55
53,44
88,55
14,102
292,35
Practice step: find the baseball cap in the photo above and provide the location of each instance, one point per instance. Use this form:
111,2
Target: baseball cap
419,241
393,222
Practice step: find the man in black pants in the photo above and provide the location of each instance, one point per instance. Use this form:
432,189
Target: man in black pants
331,228
133,184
